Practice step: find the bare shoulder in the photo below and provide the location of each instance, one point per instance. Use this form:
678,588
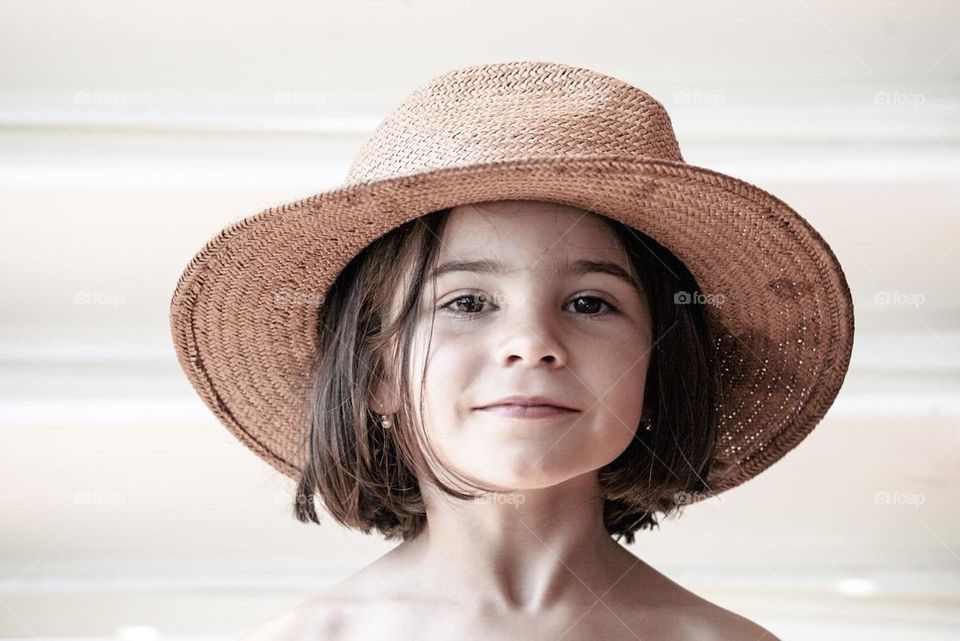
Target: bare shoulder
710,621
678,613
316,619
283,627
337,612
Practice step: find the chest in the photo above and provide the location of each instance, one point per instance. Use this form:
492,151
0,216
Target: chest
596,621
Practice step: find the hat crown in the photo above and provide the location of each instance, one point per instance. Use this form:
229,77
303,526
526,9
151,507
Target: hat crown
515,111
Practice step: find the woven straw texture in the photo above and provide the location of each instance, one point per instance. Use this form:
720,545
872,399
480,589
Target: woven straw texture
244,313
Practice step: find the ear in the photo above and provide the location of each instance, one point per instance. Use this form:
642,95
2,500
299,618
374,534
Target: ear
385,399
385,394
645,414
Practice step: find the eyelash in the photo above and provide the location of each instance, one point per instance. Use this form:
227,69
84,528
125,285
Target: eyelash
612,308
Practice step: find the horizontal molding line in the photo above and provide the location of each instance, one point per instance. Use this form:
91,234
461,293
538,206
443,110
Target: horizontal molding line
843,582
108,412
707,117
888,353
178,584
141,173
226,123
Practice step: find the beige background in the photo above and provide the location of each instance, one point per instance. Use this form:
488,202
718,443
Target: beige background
132,132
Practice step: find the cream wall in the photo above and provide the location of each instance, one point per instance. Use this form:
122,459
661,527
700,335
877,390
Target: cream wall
131,134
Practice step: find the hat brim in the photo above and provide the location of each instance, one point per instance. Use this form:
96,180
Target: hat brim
244,312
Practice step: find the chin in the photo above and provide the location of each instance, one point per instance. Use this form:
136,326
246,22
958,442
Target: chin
519,473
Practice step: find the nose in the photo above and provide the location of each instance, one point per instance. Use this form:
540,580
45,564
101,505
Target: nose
528,339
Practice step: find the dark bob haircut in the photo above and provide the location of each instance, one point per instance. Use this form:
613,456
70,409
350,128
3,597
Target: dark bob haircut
367,476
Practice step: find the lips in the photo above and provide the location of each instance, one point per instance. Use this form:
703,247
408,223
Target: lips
526,411
529,401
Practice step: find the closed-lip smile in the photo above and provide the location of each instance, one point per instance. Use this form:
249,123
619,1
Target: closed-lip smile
529,402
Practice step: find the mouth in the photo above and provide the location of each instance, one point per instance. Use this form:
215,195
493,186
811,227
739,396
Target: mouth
527,411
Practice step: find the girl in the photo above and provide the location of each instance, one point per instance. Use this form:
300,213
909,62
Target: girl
522,348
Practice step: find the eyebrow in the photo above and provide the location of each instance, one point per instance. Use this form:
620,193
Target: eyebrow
563,267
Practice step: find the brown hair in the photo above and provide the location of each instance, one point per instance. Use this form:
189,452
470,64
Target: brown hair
367,476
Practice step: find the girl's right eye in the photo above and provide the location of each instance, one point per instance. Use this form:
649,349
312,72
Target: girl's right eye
480,298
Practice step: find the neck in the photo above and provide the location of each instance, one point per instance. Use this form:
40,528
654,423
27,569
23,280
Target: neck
527,550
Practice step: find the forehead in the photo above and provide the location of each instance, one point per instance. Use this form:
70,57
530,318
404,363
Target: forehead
524,232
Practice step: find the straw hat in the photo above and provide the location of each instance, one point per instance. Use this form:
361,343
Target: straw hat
525,131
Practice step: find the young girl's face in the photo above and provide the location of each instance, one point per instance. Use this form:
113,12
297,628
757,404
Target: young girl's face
581,337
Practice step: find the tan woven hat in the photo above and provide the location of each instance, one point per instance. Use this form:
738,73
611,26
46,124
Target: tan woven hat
525,131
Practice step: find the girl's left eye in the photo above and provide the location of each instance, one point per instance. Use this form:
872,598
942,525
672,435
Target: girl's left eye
483,300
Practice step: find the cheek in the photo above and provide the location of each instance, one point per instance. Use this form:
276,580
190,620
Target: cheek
446,377
617,381
610,381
